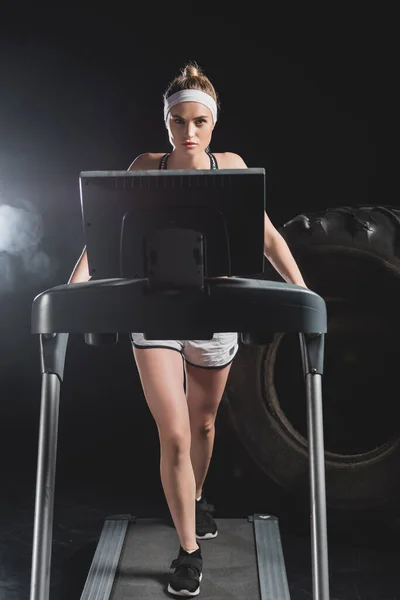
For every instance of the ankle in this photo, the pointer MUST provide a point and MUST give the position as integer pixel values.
(190, 550)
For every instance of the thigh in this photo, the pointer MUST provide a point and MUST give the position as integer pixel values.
(204, 391)
(162, 377)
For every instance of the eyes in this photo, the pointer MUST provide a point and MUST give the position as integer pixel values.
(198, 121)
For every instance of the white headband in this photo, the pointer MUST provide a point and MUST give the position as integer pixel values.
(190, 96)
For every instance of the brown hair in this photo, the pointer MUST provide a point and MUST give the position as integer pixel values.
(191, 78)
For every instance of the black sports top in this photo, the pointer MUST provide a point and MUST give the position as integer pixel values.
(213, 161)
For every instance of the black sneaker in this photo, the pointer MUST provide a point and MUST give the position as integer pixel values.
(188, 573)
(206, 527)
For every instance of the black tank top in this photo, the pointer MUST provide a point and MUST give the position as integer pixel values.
(164, 161)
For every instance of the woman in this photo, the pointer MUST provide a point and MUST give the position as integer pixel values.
(185, 421)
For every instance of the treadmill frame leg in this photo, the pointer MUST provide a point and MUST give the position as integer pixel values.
(53, 350)
(312, 347)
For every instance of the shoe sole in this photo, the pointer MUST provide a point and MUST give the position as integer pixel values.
(185, 592)
(207, 536)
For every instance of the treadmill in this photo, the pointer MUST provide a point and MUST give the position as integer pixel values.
(169, 234)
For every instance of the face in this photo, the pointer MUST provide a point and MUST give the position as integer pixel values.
(190, 122)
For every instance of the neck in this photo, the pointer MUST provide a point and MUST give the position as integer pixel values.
(178, 160)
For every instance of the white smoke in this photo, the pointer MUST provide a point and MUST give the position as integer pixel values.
(21, 260)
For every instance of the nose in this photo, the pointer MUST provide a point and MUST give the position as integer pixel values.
(190, 130)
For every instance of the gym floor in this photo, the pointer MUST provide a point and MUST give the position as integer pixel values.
(363, 549)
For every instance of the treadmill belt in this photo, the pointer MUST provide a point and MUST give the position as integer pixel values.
(230, 562)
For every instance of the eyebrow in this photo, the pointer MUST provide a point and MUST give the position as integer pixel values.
(200, 117)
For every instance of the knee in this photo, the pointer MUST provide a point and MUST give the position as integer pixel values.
(203, 428)
(175, 443)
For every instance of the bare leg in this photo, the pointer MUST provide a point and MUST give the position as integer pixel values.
(179, 487)
(205, 388)
(201, 452)
(161, 374)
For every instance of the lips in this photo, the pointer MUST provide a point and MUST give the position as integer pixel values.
(189, 144)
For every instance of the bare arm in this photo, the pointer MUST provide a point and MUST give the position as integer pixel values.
(278, 253)
(80, 274)
(276, 249)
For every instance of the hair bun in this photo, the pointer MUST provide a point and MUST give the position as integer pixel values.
(191, 70)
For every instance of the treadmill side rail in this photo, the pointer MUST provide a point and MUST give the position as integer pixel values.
(270, 560)
(100, 580)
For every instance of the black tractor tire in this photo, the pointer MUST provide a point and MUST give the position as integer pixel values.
(351, 257)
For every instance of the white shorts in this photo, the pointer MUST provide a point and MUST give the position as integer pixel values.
(208, 354)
